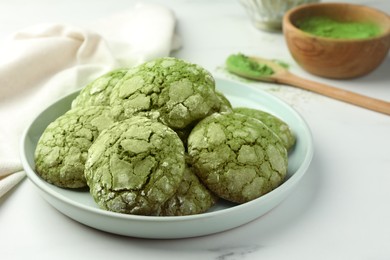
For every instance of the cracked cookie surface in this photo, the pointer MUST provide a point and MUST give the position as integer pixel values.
(225, 105)
(135, 166)
(192, 197)
(181, 92)
(97, 92)
(279, 127)
(237, 157)
(62, 149)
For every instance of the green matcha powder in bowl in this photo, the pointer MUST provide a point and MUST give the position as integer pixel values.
(327, 27)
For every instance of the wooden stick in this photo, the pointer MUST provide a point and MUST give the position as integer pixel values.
(336, 93)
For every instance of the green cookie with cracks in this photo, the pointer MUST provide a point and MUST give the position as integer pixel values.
(180, 92)
(237, 157)
(277, 125)
(62, 149)
(135, 166)
(192, 197)
(97, 93)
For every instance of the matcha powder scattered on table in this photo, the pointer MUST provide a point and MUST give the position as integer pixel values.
(242, 63)
(327, 27)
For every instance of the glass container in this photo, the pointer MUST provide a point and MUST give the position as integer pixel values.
(268, 14)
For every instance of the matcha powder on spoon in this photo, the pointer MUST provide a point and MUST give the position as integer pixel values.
(242, 63)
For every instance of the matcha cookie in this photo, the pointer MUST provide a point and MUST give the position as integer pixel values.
(97, 93)
(237, 157)
(135, 166)
(181, 92)
(192, 197)
(225, 105)
(280, 128)
(62, 149)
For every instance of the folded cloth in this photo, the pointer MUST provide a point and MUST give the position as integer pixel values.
(44, 62)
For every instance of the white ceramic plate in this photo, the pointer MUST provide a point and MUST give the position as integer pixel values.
(80, 206)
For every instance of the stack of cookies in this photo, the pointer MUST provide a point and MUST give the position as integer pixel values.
(159, 139)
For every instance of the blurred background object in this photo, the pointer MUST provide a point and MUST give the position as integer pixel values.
(268, 14)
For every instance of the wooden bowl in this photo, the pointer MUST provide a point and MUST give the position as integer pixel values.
(337, 58)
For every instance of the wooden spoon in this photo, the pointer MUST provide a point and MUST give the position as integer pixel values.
(282, 76)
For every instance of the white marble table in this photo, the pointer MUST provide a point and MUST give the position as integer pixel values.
(340, 210)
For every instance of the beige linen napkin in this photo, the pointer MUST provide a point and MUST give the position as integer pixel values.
(44, 62)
